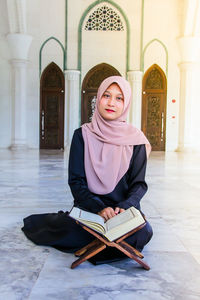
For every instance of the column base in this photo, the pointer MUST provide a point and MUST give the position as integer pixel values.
(188, 149)
(15, 147)
(67, 148)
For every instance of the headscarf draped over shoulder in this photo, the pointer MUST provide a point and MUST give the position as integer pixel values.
(108, 144)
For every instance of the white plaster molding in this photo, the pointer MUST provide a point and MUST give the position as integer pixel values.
(12, 16)
(186, 66)
(19, 45)
(72, 74)
(189, 47)
(196, 27)
(17, 16)
(19, 62)
(21, 14)
(189, 9)
(135, 79)
(135, 76)
(72, 105)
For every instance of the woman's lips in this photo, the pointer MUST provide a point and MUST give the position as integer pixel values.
(110, 110)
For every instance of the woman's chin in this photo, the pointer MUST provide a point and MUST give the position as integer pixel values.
(109, 118)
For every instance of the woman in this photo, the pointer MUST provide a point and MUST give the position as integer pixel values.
(107, 167)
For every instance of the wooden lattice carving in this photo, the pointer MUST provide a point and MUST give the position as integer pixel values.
(154, 80)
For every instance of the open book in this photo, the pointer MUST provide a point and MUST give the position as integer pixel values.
(114, 227)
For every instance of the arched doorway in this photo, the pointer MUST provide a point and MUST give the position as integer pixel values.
(154, 107)
(52, 108)
(90, 85)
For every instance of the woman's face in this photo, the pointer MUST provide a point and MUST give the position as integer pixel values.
(111, 103)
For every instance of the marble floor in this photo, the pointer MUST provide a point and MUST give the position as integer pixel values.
(36, 182)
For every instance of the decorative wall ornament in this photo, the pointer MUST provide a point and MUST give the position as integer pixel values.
(52, 78)
(104, 18)
(154, 80)
(153, 118)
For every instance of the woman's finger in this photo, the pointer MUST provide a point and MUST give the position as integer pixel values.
(117, 210)
(109, 214)
(112, 212)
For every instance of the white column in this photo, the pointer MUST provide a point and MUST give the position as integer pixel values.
(19, 104)
(135, 79)
(19, 46)
(189, 136)
(188, 107)
(72, 104)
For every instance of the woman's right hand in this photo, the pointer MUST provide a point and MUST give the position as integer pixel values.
(107, 213)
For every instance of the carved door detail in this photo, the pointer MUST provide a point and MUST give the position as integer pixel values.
(90, 85)
(52, 108)
(154, 107)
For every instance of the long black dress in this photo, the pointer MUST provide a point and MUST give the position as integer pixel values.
(60, 231)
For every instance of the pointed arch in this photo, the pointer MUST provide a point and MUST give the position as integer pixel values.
(41, 49)
(90, 7)
(164, 47)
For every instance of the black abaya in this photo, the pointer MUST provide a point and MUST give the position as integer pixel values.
(60, 231)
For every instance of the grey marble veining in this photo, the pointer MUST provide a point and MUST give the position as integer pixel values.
(120, 280)
(36, 182)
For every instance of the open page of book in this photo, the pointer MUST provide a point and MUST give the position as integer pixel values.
(122, 218)
(130, 219)
(89, 217)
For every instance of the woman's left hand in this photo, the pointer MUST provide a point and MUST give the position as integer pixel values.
(107, 213)
(118, 210)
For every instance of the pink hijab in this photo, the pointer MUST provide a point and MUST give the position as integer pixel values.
(108, 144)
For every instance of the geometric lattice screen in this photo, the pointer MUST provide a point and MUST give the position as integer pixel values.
(104, 19)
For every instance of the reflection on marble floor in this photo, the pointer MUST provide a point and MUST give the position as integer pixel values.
(36, 182)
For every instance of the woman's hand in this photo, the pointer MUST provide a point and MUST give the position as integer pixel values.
(107, 213)
(118, 210)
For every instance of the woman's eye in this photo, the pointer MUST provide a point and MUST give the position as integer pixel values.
(106, 95)
(120, 99)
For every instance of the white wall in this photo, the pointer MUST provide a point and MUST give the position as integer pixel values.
(45, 18)
(5, 80)
(162, 22)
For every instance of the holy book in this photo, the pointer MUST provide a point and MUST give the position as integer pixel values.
(115, 227)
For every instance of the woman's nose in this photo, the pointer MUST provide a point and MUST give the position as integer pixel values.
(111, 101)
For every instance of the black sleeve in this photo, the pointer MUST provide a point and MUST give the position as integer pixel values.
(136, 178)
(83, 198)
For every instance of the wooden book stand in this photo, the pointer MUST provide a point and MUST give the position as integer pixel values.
(101, 242)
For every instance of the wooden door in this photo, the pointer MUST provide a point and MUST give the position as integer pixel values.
(90, 86)
(154, 107)
(52, 108)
